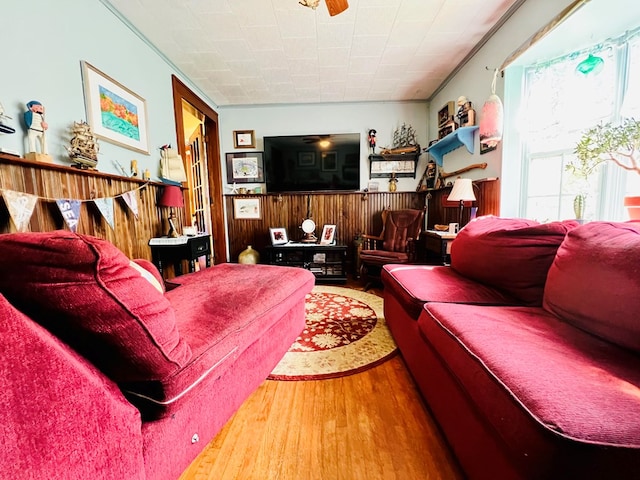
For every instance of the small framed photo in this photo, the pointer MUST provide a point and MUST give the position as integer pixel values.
(328, 235)
(278, 236)
(244, 139)
(329, 161)
(246, 208)
(306, 159)
(245, 167)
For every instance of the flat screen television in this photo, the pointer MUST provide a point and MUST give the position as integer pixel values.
(310, 163)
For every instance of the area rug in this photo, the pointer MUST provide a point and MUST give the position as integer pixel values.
(346, 333)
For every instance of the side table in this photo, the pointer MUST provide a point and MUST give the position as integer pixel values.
(175, 250)
(439, 243)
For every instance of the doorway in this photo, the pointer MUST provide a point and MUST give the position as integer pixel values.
(198, 143)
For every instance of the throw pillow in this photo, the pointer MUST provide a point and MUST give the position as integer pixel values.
(513, 255)
(594, 281)
(84, 291)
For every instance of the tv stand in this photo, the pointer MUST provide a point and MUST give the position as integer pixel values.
(326, 262)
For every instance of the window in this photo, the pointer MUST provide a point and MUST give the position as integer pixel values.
(558, 103)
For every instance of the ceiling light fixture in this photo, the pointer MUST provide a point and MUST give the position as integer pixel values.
(309, 3)
(334, 6)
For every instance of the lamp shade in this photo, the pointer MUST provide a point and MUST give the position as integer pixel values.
(462, 191)
(171, 197)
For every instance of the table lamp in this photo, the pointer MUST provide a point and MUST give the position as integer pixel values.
(462, 191)
(171, 197)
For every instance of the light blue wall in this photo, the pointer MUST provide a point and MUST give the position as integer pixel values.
(43, 44)
(474, 81)
(311, 119)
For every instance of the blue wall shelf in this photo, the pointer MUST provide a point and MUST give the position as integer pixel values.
(456, 139)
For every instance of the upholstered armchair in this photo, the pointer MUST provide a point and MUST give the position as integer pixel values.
(395, 244)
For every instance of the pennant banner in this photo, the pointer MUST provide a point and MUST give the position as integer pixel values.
(105, 205)
(70, 210)
(131, 200)
(20, 206)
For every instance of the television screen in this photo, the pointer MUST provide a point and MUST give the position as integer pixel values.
(302, 163)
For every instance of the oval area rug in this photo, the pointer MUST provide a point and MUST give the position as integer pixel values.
(345, 333)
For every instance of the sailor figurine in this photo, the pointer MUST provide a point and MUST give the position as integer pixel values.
(36, 126)
(372, 140)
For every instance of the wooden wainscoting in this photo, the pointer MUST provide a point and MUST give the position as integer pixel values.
(51, 182)
(353, 213)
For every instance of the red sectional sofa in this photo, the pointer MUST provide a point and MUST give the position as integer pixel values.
(527, 348)
(106, 376)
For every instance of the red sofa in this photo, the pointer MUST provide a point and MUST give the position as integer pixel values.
(105, 376)
(526, 349)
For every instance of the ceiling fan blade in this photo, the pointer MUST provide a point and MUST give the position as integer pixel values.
(336, 6)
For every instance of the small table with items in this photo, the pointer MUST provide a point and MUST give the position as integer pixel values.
(326, 262)
(439, 243)
(175, 250)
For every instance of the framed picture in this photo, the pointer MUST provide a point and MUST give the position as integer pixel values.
(245, 167)
(328, 235)
(246, 208)
(278, 236)
(244, 139)
(329, 161)
(115, 113)
(306, 159)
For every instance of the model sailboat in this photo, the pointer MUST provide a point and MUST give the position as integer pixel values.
(84, 146)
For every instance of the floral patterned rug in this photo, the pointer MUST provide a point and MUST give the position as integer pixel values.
(346, 333)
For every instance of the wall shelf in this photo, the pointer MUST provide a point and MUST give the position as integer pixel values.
(456, 139)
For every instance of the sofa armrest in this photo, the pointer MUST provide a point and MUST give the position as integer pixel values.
(60, 416)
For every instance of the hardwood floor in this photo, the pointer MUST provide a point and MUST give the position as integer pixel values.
(371, 425)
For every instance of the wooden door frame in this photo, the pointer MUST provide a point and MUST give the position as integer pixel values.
(214, 167)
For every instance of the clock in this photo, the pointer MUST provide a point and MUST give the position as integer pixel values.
(309, 227)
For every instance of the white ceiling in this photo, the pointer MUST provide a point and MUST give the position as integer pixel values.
(247, 52)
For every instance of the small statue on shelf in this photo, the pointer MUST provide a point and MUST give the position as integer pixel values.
(36, 126)
(372, 141)
(466, 114)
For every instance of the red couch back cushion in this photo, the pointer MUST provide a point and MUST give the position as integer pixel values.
(594, 282)
(84, 291)
(513, 255)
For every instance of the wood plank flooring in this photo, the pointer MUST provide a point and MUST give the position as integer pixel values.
(368, 426)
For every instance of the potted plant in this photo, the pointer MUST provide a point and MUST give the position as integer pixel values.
(617, 143)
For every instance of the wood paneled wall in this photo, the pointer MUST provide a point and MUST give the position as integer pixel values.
(50, 182)
(352, 213)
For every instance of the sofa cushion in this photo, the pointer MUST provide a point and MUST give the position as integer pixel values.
(221, 311)
(84, 290)
(414, 285)
(513, 255)
(594, 282)
(524, 368)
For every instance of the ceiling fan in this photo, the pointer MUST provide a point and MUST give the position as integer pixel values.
(334, 6)
(315, 138)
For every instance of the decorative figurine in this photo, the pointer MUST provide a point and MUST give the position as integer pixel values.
(4, 128)
(372, 141)
(36, 126)
(83, 148)
(466, 114)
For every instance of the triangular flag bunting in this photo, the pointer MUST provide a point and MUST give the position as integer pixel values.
(131, 200)
(20, 206)
(105, 205)
(70, 210)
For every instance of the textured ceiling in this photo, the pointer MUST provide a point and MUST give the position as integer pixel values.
(247, 52)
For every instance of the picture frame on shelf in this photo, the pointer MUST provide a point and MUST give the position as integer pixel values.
(278, 236)
(244, 139)
(246, 208)
(328, 235)
(245, 167)
(115, 113)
